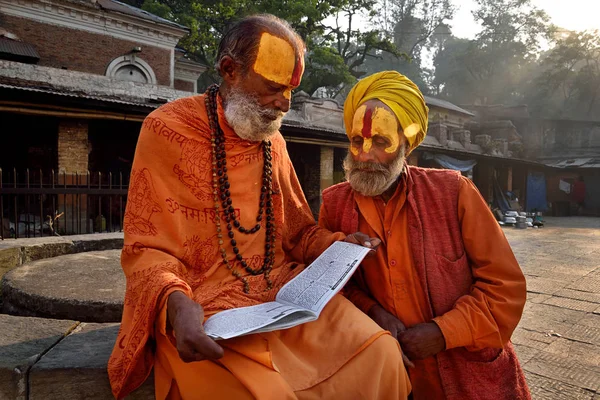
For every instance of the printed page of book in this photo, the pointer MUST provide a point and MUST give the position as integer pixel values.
(299, 301)
(320, 281)
(244, 320)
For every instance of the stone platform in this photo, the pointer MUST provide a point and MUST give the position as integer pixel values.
(87, 287)
(15, 252)
(557, 341)
(49, 359)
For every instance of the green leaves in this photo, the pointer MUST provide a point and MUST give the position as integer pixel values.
(569, 80)
(336, 53)
(495, 66)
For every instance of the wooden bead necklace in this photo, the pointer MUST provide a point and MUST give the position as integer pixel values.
(222, 199)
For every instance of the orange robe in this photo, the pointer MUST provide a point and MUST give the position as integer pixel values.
(171, 244)
(393, 282)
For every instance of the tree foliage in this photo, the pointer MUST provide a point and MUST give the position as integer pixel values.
(568, 84)
(335, 53)
(492, 68)
(414, 27)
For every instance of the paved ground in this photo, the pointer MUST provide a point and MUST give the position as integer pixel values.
(558, 339)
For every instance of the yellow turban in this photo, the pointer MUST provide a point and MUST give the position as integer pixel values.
(400, 94)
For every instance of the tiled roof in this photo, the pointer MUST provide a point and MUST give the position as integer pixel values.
(587, 162)
(432, 101)
(11, 49)
(79, 95)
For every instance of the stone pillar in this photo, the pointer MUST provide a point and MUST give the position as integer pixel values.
(509, 180)
(326, 167)
(501, 145)
(72, 169)
(462, 136)
(440, 132)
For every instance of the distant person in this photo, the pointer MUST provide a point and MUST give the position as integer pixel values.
(579, 194)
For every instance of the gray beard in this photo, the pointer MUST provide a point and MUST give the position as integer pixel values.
(248, 119)
(373, 179)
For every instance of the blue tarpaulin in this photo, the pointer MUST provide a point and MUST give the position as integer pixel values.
(536, 192)
(451, 162)
(500, 199)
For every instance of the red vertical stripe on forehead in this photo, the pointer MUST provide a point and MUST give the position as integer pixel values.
(298, 69)
(367, 123)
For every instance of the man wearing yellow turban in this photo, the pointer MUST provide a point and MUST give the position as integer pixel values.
(444, 281)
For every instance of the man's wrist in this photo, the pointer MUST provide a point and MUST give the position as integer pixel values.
(174, 304)
(441, 334)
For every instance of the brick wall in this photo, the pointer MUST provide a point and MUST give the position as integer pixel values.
(180, 84)
(78, 50)
(72, 158)
(73, 145)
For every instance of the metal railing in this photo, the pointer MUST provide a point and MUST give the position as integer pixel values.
(35, 204)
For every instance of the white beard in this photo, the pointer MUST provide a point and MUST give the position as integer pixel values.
(373, 179)
(248, 119)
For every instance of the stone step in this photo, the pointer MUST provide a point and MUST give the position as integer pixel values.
(87, 287)
(15, 252)
(57, 359)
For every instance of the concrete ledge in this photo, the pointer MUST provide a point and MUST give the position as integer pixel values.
(87, 287)
(47, 359)
(76, 367)
(23, 341)
(15, 252)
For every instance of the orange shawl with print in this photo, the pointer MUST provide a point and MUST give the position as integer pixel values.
(170, 233)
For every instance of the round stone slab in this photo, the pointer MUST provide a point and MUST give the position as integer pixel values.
(87, 287)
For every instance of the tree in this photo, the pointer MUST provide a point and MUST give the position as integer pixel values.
(506, 22)
(341, 52)
(414, 22)
(413, 26)
(568, 84)
(493, 67)
(336, 53)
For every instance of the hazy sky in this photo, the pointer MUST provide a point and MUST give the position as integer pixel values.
(568, 14)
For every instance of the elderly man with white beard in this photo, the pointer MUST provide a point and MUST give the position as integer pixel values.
(217, 220)
(444, 282)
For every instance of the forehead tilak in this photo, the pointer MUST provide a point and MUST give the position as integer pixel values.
(367, 122)
(277, 60)
(298, 69)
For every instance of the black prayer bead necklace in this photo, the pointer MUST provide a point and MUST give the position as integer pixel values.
(222, 199)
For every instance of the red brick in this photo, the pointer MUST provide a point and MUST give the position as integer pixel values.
(184, 85)
(83, 51)
(73, 146)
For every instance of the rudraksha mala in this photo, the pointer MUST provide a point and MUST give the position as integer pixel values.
(222, 199)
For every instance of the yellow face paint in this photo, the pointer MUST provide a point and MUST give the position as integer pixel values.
(371, 121)
(277, 61)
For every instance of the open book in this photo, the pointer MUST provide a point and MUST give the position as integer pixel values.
(300, 300)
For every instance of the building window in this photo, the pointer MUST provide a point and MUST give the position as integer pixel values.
(131, 68)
